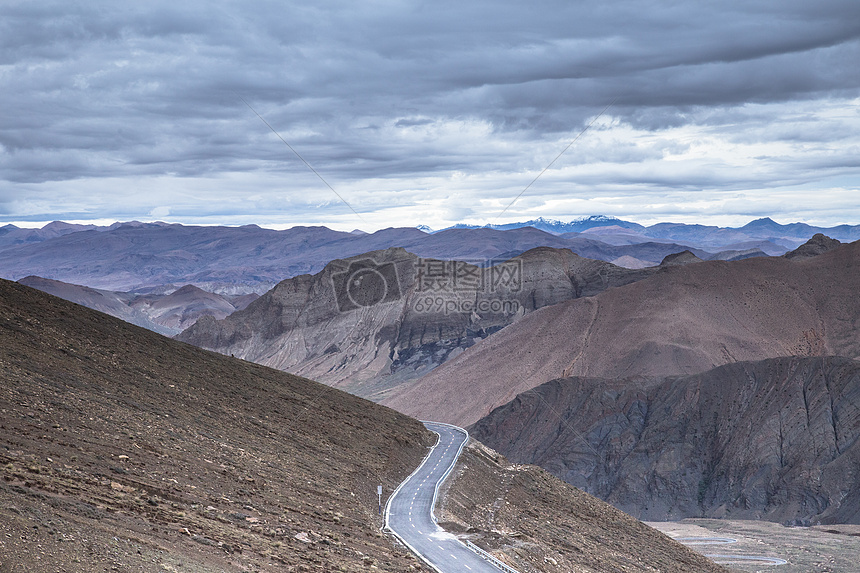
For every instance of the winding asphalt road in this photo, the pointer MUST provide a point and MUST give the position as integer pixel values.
(409, 511)
(409, 514)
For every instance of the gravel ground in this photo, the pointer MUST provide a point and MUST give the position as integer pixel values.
(823, 549)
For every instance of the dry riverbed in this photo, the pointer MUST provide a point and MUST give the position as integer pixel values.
(824, 549)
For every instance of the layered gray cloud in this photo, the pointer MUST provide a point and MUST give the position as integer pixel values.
(429, 112)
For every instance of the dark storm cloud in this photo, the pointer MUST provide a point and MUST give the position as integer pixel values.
(401, 91)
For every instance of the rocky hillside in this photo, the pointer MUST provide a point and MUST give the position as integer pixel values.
(122, 450)
(367, 337)
(682, 320)
(775, 439)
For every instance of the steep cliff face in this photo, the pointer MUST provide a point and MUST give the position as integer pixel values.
(775, 439)
(372, 322)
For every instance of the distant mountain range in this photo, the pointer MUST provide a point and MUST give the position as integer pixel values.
(700, 236)
(554, 226)
(238, 260)
(138, 256)
(10, 235)
(168, 310)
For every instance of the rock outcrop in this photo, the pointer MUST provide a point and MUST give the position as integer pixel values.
(775, 439)
(372, 322)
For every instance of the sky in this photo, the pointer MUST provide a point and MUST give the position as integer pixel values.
(429, 113)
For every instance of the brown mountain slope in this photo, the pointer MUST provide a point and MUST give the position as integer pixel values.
(775, 439)
(431, 312)
(815, 246)
(682, 320)
(119, 447)
(121, 450)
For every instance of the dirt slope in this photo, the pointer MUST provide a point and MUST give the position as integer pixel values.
(535, 522)
(122, 449)
(682, 320)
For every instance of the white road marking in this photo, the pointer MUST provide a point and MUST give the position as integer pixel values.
(435, 468)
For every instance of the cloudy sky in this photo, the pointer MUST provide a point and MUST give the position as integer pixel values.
(429, 112)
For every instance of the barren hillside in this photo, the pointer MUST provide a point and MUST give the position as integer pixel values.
(682, 320)
(421, 313)
(122, 450)
(513, 510)
(777, 439)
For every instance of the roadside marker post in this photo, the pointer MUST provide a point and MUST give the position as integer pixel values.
(379, 493)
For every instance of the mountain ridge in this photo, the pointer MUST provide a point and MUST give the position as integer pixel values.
(132, 256)
(762, 228)
(681, 320)
(299, 327)
(239, 260)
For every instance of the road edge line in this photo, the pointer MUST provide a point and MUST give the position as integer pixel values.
(387, 529)
(468, 544)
